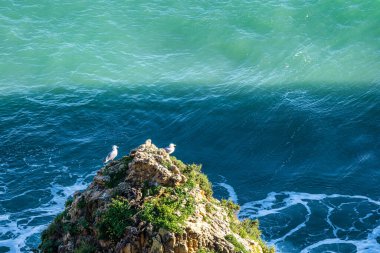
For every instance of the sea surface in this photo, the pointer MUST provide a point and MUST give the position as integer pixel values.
(279, 100)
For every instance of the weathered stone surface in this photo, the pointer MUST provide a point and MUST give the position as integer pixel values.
(147, 165)
(127, 177)
(157, 246)
(101, 180)
(127, 249)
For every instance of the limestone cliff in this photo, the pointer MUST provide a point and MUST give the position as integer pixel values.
(151, 202)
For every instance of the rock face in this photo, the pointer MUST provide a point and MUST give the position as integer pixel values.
(150, 202)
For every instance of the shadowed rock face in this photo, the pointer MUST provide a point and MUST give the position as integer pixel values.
(150, 202)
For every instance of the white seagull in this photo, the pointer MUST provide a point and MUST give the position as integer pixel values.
(111, 155)
(170, 149)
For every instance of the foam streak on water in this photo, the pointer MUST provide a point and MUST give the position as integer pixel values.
(287, 141)
(279, 97)
(231, 192)
(19, 234)
(360, 228)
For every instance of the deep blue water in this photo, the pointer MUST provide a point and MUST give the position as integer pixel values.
(279, 100)
(284, 152)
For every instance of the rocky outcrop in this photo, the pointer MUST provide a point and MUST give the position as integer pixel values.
(150, 202)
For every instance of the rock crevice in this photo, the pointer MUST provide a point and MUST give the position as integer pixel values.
(150, 202)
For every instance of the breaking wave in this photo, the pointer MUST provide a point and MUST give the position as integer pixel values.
(18, 229)
(303, 222)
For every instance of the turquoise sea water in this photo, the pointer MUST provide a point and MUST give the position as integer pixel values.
(279, 100)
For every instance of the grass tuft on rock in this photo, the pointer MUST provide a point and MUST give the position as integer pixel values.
(248, 228)
(81, 203)
(85, 248)
(164, 206)
(49, 244)
(115, 219)
(202, 250)
(150, 189)
(117, 174)
(231, 207)
(68, 202)
(194, 176)
(170, 209)
(180, 165)
(238, 246)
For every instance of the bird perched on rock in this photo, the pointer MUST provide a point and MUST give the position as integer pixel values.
(170, 149)
(111, 155)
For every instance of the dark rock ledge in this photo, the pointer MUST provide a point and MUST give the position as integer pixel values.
(150, 202)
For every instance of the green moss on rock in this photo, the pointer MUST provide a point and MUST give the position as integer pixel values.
(85, 248)
(115, 219)
(149, 204)
(117, 174)
(49, 242)
(238, 246)
(194, 176)
(169, 209)
(205, 251)
(248, 228)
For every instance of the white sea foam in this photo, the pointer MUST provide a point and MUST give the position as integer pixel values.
(3, 189)
(4, 217)
(334, 204)
(20, 233)
(276, 203)
(231, 191)
(367, 246)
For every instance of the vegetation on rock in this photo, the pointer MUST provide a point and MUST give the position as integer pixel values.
(115, 219)
(49, 243)
(85, 248)
(117, 174)
(237, 245)
(205, 251)
(230, 206)
(169, 209)
(194, 176)
(150, 202)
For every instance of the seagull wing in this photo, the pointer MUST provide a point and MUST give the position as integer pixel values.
(113, 154)
(169, 150)
(109, 157)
